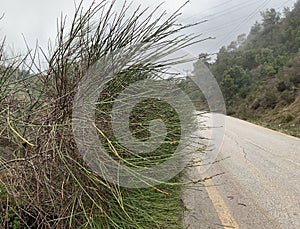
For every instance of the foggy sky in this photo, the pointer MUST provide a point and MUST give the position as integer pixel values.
(36, 20)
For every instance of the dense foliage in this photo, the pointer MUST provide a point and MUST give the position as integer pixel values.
(259, 73)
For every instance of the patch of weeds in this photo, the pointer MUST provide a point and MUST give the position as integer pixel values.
(288, 96)
(8, 217)
(288, 118)
(158, 207)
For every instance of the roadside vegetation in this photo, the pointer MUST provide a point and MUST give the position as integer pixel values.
(259, 73)
(44, 181)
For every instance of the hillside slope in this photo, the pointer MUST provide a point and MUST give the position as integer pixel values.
(259, 74)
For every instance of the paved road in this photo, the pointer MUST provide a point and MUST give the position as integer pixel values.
(260, 187)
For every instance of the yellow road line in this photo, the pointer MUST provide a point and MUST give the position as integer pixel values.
(220, 206)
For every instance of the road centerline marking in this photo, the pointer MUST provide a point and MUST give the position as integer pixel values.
(219, 204)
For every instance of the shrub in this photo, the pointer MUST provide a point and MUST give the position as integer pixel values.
(49, 182)
(288, 96)
(289, 118)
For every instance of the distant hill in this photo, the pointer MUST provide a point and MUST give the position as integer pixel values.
(259, 74)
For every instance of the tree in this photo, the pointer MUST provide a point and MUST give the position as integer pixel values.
(205, 58)
(228, 88)
(286, 12)
(270, 17)
(232, 47)
(255, 29)
(241, 39)
(265, 56)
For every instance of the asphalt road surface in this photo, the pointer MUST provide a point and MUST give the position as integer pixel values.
(260, 187)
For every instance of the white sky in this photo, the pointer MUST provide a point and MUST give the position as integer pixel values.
(37, 19)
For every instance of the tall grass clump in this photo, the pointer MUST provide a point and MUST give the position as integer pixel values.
(44, 180)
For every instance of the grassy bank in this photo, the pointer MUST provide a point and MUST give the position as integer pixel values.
(285, 120)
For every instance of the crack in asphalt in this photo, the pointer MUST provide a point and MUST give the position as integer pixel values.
(245, 154)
